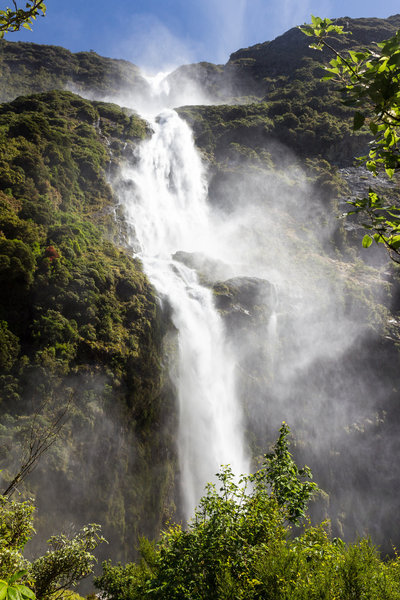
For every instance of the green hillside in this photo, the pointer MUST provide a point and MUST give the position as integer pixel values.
(27, 68)
(80, 324)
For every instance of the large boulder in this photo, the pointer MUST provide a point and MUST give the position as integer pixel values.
(245, 302)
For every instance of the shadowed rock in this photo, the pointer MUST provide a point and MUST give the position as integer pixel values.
(245, 301)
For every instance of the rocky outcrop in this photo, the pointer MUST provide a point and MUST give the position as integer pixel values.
(244, 302)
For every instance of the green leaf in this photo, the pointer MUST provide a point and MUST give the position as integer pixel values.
(383, 66)
(315, 46)
(306, 29)
(17, 576)
(3, 589)
(359, 120)
(13, 593)
(334, 70)
(367, 241)
(373, 127)
(395, 242)
(394, 59)
(26, 592)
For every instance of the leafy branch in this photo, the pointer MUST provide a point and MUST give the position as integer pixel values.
(11, 590)
(370, 82)
(66, 562)
(12, 19)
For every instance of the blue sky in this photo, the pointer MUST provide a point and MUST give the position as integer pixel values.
(161, 34)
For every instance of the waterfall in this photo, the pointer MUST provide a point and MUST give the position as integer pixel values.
(168, 212)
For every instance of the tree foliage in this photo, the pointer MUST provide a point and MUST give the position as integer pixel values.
(290, 485)
(242, 544)
(12, 19)
(16, 529)
(370, 81)
(68, 560)
(220, 544)
(41, 432)
(11, 590)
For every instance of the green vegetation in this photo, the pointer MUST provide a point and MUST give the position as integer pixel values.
(371, 82)
(10, 589)
(289, 117)
(28, 68)
(79, 321)
(71, 290)
(66, 562)
(243, 543)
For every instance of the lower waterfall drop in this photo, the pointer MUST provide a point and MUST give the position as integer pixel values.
(168, 212)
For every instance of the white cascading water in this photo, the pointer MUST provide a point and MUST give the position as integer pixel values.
(168, 212)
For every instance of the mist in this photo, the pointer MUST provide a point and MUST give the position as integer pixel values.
(311, 359)
(302, 323)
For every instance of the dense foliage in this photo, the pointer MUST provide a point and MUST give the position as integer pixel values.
(28, 68)
(242, 544)
(68, 560)
(79, 320)
(68, 288)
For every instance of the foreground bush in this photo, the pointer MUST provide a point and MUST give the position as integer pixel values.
(245, 542)
(67, 561)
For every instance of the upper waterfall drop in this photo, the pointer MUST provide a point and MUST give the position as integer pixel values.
(168, 212)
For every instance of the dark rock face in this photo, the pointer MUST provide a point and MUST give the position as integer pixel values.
(244, 301)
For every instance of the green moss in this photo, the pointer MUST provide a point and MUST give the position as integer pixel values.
(79, 321)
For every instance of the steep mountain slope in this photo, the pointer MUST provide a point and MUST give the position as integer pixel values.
(27, 68)
(80, 325)
(267, 67)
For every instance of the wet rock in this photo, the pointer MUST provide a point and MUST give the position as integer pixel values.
(245, 301)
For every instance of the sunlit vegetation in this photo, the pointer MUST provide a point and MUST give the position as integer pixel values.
(66, 289)
(68, 558)
(31, 68)
(246, 541)
(79, 321)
